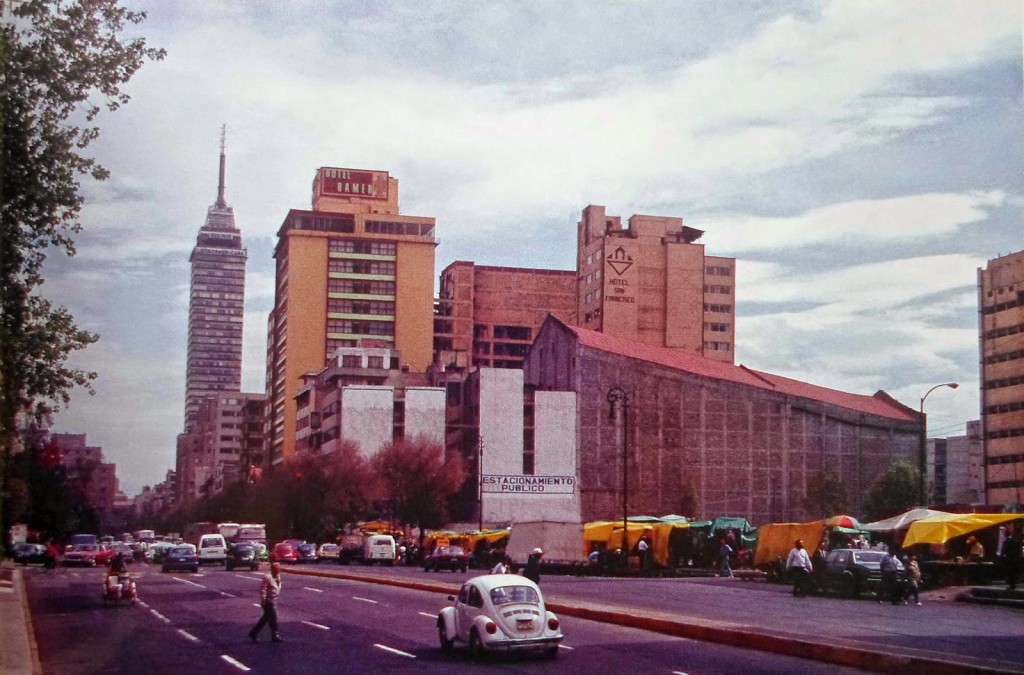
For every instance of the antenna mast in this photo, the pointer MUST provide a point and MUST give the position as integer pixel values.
(220, 185)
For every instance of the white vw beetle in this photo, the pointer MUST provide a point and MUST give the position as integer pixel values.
(499, 612)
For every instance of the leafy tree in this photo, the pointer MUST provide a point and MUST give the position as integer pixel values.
(418, 480)
(896, 490)
(58, 57)
(826, 495)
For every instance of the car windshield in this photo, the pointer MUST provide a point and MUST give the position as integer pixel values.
(503, 595)
(243, 548)
(181, 550)
(450, 550)
(868, 556)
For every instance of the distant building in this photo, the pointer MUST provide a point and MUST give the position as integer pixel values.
(1001, 351)
(956, 468)
(216, 301)
(352, 268)
(708, 439)
(651, 282)
(86, 470)
(493, 313)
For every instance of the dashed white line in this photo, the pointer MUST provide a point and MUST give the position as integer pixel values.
(236, 663)
(394, 651)
(356, 597)
(159, 616)
(678, 672)
(228, 595)
(188, 635)
(316, 625)
(572, 648)
(315, 590)
(256, 604)
(429, 616)
(186, 581)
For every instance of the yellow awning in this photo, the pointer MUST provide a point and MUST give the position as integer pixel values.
(940, 529)
(775, 540)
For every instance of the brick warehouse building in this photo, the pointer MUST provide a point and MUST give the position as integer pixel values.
(707, 438)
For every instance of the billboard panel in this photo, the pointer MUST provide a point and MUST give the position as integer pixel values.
(334, 182)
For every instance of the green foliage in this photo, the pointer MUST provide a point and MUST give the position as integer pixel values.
(417, 481)
(896, 490)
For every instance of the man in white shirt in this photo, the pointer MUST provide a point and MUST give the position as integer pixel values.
(799, 567)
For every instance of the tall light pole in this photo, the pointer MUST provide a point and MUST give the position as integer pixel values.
(618, 397)
(923, 443)
(480, 479)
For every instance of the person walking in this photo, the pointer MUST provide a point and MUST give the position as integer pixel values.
(270, 589)
(504, 566)
(1012, 555)
(890, 567)
(913, 581)
(799, 567)
(532, 569)
(724, 551)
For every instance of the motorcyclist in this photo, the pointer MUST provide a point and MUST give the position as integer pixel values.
(51, 555)
(118, 565)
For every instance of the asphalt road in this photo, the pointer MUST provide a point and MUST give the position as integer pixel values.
(198, 623)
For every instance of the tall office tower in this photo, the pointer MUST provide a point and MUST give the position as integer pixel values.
(652, 283)
(352, 269)
(216, 299)
(1001, 351)
(493, 313)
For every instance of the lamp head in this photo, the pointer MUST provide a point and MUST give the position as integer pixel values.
(953, 385)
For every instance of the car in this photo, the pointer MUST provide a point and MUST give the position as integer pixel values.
(29, 554)
(328, 552)
(181, 557)
(306, 553)
(852, 571)
(87, 555)
(261, 550)
(212, 549)
(242, 555)
(499, 612)
(155, 552)
(284, 553)
(125, 550)
(452, 558)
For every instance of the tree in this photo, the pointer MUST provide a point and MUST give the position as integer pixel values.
(56, 56)
(894, 491)
(418, 480)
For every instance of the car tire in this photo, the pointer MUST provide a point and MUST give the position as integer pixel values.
(442, 637)
(476, 647)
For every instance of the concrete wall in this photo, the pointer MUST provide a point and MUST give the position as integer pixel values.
(424, 413)
(368, 417)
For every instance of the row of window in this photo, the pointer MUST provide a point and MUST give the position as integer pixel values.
(717, 346)
(1004, 459)
(361, 287)
(365, 246)
(388, 227)
(345, 224)
(356, 361)
(351, 327)
(1004, 382)
(593, 276)
(382, 267)
(347, 306)
(1003, 332)
(1001, 290)
(724, 309)
(1005, 484)
(1002, 358)
(592, 297)
(714, 288)
(592, 316)
(1002, 306)
(716, 327)
(717, 271)
(1004, 408)
(1005, 433)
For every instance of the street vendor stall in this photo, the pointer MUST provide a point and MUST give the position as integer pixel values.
(940, 529)
(775, 540)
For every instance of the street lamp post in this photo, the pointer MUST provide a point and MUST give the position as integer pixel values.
(923, 443)
(480, 479)
(616, 397)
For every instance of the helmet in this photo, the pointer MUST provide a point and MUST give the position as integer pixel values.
(537, 551)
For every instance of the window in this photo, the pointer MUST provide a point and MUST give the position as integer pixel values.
(364, 246)
(347, 266)
(716, 270)
(375, 362)
(716, 327)
(350, 361)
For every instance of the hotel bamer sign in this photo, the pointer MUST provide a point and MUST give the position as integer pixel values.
(528, 485)
(618, 287)
(353, 183)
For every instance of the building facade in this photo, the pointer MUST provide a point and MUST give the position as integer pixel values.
(216, 301)
(1001, 352)
(707, 439)
(651, 282)
(86, 470)
(956, 468)
(493, 313)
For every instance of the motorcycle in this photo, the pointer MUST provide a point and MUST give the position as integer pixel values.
(119, 587)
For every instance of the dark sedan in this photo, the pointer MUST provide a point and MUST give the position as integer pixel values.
(181, 558)
(29, 554)
(851, 571)
(306, 553)
(452, 558)
(242, 555)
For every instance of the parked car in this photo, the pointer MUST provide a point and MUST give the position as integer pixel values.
(284, 553)
(499, 612)
(181, 557)
(212, 549)
(851, 571)
(452, 558)
(261, 550)
(29, 554)
(88, 555)
(306, 553)
(242, 555)
(156, 552)
(328, 552)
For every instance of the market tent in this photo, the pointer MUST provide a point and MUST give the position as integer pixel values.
(731, 523)
(661, 535)
(901, 521)
(636, 530)
(940, 529)
(775, 540)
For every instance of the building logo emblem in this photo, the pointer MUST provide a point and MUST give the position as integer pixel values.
(620, 261)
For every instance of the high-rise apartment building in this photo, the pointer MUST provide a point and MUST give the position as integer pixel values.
(651, 282)
(494, 313)
(1001, 351)
(956, 468)
(216, 299)
(350, 269)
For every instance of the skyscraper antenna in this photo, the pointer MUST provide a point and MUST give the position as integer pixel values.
(220, 185)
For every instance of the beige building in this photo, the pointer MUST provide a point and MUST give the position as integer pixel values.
(651, 282)
(956, 468)
(1001, 347)
(493, 313)
(352, 268)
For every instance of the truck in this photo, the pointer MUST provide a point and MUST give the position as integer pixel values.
(562, 544)
(367, 549)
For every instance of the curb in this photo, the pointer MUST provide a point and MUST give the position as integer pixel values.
(906, 662)
(33, 646)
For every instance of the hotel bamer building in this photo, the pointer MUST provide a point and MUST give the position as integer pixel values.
(1001, 336)
(651, 282)
(352, 268)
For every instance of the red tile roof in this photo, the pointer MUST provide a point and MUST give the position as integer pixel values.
(699, 365)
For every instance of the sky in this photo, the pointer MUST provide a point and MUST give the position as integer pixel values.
(860, 160)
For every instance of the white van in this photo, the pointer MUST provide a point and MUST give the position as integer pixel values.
(379, 548)
(212, 549)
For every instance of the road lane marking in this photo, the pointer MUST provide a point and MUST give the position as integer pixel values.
(394, 651)
(316, 625)
(236, 663)
(186, 581)
(356, 597)
(315, 590)
(572, 648)
(678, 672)
(159, 616)
(228, 595)
(256, 604)
(429, 616)
(188, 635)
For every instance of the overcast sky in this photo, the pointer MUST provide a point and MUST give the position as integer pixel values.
(861, 160)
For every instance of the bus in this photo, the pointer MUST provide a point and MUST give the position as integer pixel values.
(252, 532)
(144, 535)
(193, 531)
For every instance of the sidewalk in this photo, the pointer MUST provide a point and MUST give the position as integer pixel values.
(18, 655)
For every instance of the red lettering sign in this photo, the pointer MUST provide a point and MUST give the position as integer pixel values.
(335, 182)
